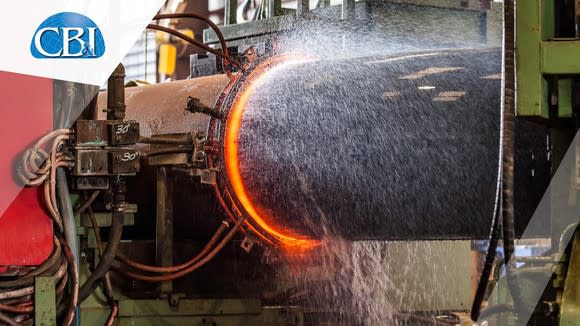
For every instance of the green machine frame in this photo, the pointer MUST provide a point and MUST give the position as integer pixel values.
(544, 64)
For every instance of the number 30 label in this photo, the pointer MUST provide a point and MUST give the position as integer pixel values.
(128, 156)
(122, 129)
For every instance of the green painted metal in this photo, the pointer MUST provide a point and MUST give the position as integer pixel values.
(540, 57)
(533, 24)
(44, 301)
(104, 219)
(565, 98)
(189, 307)
(570, 305)
(192, 312)
(560, 57)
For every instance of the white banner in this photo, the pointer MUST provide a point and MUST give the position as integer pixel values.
(80, 41)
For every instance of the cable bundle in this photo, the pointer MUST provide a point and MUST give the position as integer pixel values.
(39, 167)
(211, 249)
(16, 293)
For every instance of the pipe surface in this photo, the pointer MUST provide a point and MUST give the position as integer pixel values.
(159, 108)
(373, 148)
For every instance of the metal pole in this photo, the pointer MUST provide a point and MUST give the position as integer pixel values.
(274, 8)
(347, 9)
(230, 11)
(302, 6)
(164, 230)
(116, 94)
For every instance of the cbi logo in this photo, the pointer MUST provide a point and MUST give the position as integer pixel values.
(67, 35)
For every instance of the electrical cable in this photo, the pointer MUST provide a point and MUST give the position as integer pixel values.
(38, 167)
(17, 293)
(171, 269)
(188, 39)
(74, 295)
(17, 309)
(25, 291)
(87, 203)
(200, 263)
(7, 320)
(211, 24)
(28, 279)
(112, 315)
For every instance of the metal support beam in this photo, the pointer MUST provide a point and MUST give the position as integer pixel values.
(164, 231)
(274, 8)
(44, 301)
(347, 9)
(302, 6)
(560, 57)
(534, 23)
(230, 12)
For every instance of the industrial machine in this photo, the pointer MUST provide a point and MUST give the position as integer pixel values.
(333, 166)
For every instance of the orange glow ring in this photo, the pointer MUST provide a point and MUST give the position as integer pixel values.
(232, 130)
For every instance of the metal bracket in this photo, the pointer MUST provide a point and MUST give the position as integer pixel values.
(44, 301)
(194, 105)
(248, 243)
(174, 299)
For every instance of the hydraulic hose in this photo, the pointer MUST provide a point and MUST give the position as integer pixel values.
(201, 262)
(504, 200)
(177, 268)
(106, 259)
(489, 258)
(508, 103)
(28, 279)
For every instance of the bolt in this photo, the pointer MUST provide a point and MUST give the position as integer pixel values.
(199, 155)
(135, 128)
(117, 139)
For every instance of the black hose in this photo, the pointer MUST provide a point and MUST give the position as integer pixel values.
(7, 320)
(87, 203)
(107, 258)
(188, 39)
(489, 259)
(28, 279)
(508, 159)
(506, 174)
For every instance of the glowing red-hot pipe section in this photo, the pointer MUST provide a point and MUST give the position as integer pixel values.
(232, 161)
